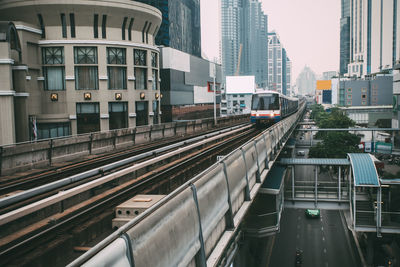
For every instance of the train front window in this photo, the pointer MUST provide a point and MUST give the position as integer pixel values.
(265, 102)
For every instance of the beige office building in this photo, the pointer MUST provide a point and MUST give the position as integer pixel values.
(76, 66)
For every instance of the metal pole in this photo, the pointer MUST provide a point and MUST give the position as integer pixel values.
(349, 181)
(316, 185)
(354, 204)
(293, 194)
(373, 143)
(379, 211)
(215, 104)
(339, 178)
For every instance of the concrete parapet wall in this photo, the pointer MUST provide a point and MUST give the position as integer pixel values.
(193, 224)
(43, 153)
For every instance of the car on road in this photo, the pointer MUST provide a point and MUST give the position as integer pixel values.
(298, 260)
(301, 153)
(312, 213)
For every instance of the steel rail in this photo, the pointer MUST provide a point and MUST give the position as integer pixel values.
(6, 201)
(23, 211)
(116, 234)
(118, 194)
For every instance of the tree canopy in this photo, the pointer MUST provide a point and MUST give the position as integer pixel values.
(334, 144)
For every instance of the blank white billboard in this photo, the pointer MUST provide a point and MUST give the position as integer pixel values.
(240, 84)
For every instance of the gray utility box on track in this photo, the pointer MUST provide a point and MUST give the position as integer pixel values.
(133, 207)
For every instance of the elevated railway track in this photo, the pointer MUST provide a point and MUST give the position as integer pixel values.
(83, 209)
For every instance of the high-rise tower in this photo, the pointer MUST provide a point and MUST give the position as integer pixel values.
(344, 36)
(180, 27)
(244, 39)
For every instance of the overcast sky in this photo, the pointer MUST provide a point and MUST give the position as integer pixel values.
(308, 29)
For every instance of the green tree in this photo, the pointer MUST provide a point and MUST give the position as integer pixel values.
(334, 144)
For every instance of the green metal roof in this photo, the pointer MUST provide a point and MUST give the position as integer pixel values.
(291, 142)
(314, 161)
(364, 171)
(274, 177)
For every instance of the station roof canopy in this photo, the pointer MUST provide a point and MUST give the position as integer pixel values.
(364, 171)
(315, 161)
(274, 180)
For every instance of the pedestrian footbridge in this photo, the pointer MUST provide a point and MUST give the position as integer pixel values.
(354, 185)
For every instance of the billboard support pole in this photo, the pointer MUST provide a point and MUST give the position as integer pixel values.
(214, 97)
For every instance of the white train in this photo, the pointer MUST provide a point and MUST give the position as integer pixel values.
(268, 107)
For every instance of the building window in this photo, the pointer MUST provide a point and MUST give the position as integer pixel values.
(155, 79)
(51, 130)
(130, 29)
(72, 22)
(140, 78)
(96, 26)
(349, 102)
(118, 112)
(53, 68)
(86, 73)
(116, 74)
(364, 90)
(41, 23)
(116, 55)
(234, 95)
(241, 95)
(85, 55)
(363, 102)
(349, 90)
(64, 26)
(147, 33)
(363, 96)
(143, 31)
(140, 59)
(87, 117)
(124, 27)
(141, 113)
(103, 27)
(348, 96)
(154, 60)
(156, 110)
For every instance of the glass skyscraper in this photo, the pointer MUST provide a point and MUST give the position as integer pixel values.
(180, 27)
(245, 39)
(279, 65)
(345, 36)
(232, 36)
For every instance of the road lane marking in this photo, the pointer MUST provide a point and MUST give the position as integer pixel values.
(298, 236)
(322, 228)
(325, 250)
(323, 239)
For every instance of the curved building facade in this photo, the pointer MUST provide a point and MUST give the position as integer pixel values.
(77, 66)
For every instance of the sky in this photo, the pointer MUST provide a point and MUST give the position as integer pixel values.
(308, 29)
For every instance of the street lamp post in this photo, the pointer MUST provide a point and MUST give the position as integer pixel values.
(214, 97)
